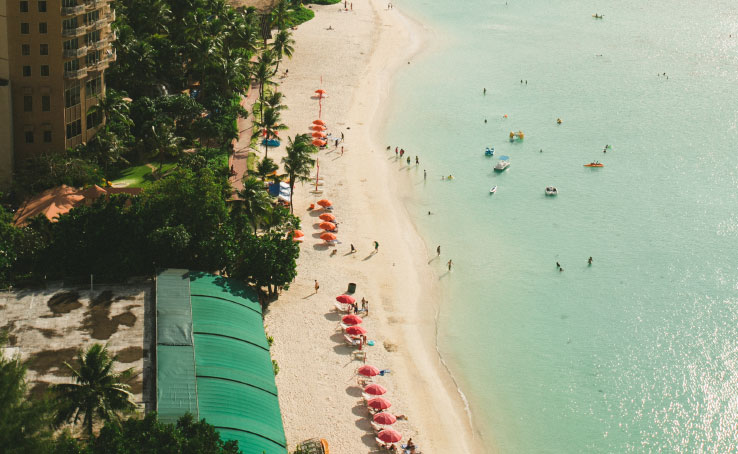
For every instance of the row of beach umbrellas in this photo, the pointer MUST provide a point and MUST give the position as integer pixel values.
(376, 390)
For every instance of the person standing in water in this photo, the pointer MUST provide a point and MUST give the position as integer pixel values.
(425, 174)
(450, 263)
(438, 250)
(484, 91)
(589, 261)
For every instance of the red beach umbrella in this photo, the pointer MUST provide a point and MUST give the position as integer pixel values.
(380, 403)
(367, 370)
(352, 319)
(384, 418)
(297, 234)
(389, 435)
(327, 236)
(345, 299)
(376, 390)
(327, 226)
(318, 128)
(318, 134)
(319, 143)
(325, 202)
(319, 122)
(320, 91)
(327, 217)
(356, 330)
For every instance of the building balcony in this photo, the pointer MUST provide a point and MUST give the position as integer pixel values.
(101, 44)
(73, 10)
(102, 63)
(75, 53)
(71, 32)
(77, 74)
(94, 4)
(100, 23)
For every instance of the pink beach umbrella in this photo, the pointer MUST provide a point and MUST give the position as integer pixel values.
(351, 319)
(380, 403)
(389, 436)
(385, 419)
(345, 299)
(368, 371)
(356, 330)
(375, 390)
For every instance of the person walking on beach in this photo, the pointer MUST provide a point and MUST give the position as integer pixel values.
(341, 150)
(376, 247)
(402, 152)
(395, 151)
(341, 136)
(317, 286)
(353, 249)
(450, 262)
(408, 160)
(438, 250)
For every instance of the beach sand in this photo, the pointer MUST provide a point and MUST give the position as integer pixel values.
(352, 55)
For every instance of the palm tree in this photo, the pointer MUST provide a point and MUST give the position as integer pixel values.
(279, 15)
(274, 99)
(266, 167)
(268, 126)
(282, 46)
(98, 392)
(256, 201)
(162, 142)
(263, 73)
(114, 108)
(298, 163)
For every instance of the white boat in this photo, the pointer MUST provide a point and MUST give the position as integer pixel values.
(550, 190)
(502, 165)
(493, 190)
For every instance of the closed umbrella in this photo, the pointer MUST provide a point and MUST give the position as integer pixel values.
(384, 418)
(328, 217)
(325, 202)
(356, 330)
(327, 226)
(367, 370)
(351, 319)
(327, 236)
(375, 390)
(389, 436)
(380, 403)
(345, 299)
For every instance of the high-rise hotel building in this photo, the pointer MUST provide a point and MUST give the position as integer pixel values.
(53, 55)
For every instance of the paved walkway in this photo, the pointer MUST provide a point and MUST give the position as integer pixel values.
(238, 161)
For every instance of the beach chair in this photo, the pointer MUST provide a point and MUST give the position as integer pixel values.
(351, 341)
(376, 427)
(359, 355)
(364, 381)
(342, 307)
(381, 444)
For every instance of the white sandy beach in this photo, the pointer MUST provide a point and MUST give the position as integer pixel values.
(317, 386)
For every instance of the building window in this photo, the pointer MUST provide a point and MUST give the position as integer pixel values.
(44, 49)
(29, 136)
(69, 3)
(74, 128)
(94, 119)
(45, 70)
(26, 71)
(72, 44)
(45, 103)
(25, 28)
(92, 37)
(71, 96)
(42, 28)
(93, 87)
(47, 134)
(69, 24)
(42, 6)
(92, 16)
(24, 6)
(28, 103)
(92, 57)
(25, 49)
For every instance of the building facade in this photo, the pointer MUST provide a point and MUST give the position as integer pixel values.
(6, 114)
(58, 51)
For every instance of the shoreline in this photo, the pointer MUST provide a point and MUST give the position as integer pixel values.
(398, 286)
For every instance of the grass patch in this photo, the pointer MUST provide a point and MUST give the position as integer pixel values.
(299, 16)
(251, 161)
(138, 176)
(324, 2)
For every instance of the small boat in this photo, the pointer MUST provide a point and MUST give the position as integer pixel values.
(493, 190)
(598, 16)
(489, 151)
(520, 135)
(594, 164)
(502, 165)
(551, 190)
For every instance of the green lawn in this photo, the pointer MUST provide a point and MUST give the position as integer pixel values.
(138, 176)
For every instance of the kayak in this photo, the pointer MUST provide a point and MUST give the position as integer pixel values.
(594, 164)
(493, 190)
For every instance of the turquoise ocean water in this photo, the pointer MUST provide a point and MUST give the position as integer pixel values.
(639, 352)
